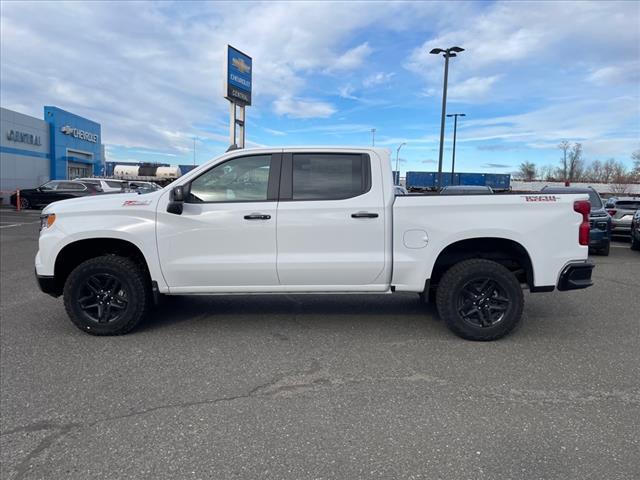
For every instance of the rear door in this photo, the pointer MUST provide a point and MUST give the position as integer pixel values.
(331, 225)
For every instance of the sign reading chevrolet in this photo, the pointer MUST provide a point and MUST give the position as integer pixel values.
(237, 77)
(81, 134)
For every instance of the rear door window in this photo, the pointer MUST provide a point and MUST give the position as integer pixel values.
(328, 176)
(72, 186)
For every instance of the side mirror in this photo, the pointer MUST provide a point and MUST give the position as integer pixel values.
(176, 200)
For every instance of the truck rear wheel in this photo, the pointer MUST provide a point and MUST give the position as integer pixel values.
(107, 295)
(480, 300)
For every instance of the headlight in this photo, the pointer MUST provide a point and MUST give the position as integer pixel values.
(47, 220)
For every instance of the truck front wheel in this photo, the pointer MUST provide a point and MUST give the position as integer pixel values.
(480, 300)
(106, 295)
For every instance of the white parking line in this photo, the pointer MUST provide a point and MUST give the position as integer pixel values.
(11, 225)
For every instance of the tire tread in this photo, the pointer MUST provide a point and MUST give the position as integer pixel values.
(129, 269)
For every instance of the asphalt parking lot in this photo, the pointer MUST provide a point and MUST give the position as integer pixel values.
(319, 386)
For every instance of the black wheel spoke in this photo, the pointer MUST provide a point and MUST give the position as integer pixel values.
(102, 298)
(482, 302)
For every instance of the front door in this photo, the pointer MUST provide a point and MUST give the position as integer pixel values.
(226, 234)
(331, 221)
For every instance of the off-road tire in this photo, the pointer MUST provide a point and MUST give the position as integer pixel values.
(450, 291)
(635, 244)
(133, 282)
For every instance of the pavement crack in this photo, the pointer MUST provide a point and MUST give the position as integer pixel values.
(38, 426)
(27, 462)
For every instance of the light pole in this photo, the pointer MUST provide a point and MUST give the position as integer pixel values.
(448, 53)
(194, 151)
(455, 128)
(398, 160)
(373, 137)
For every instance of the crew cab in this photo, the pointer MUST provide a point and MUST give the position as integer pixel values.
(310, 220)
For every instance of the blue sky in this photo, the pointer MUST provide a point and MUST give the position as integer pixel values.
(326, 73)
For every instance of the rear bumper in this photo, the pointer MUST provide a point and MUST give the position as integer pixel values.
(576, 276)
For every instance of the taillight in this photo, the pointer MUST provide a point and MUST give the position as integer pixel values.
(583, 207)
(612, 211)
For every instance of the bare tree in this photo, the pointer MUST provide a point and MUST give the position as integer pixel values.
(635, 156)
(528, 171)
(564, 146)
(607, 170)
(547, 173)
(593, 171)
(575, 162)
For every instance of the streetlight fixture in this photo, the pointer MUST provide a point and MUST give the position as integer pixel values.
(398, 159)
(447, 54)
(455, 128)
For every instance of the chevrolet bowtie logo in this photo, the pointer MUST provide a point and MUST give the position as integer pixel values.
(240, 64)
(67, 130)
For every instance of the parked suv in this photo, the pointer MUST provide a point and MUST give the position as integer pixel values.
(599, 219)
(621, 212)
(107, 185)
(53, 191)
(635, 231)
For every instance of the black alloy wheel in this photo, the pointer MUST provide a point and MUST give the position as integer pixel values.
(102, 298)
(480, 299)
(482, 302)
(107, 295)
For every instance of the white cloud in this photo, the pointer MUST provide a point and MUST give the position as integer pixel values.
(379, 78)
(351, 59)
(474, 89)
(301, 108)
(628, 72)
(277, 133)
(346, 91)
(523, 40)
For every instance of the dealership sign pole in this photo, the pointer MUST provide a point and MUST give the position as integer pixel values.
(237, 89)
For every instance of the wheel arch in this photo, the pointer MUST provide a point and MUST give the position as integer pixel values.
(78, 251)
(509, 253)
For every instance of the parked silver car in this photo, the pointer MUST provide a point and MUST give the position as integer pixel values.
(622, 214)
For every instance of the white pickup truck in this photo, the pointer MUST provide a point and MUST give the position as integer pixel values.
(310, 220)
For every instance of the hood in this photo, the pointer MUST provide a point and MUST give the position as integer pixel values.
(26, 191)
(104, 203)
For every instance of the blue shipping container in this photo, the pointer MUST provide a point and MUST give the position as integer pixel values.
(429, 180)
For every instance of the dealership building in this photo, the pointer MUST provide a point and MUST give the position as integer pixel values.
(60, 146)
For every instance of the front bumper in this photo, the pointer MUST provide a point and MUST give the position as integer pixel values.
(576, 276)
(48, 285)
